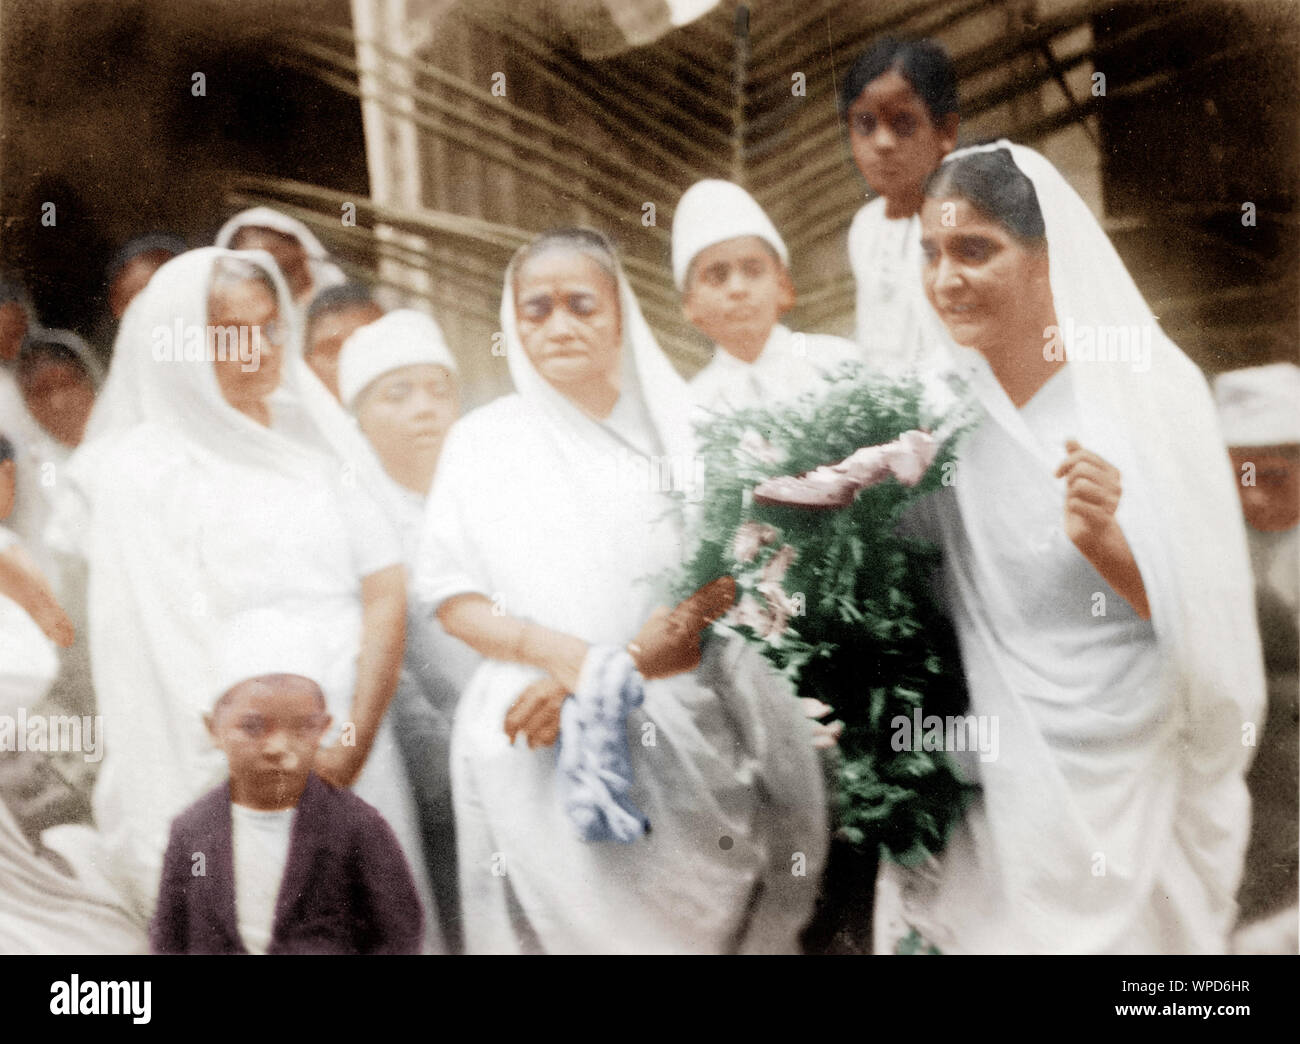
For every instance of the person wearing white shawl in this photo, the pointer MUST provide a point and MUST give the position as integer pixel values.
(732, 267)
(546, 540)
(1110, 634)
(208, 486)
(301, 257)
(398, 377)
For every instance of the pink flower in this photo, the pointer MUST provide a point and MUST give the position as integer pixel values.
(910, 455)
(779, 564)
(749, 538)
(866, 466)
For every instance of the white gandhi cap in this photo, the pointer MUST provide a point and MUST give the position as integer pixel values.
(1260, 405)
(403, 337)
(711, 212)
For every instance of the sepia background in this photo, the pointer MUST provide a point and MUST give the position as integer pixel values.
(457, 129)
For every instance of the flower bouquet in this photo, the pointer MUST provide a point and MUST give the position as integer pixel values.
(834, 595)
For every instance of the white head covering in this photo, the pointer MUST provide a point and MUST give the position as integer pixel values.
(267, 641)
(646, 370)
(403, 337)
(323, 271)
(75, 344)
(1182, 519)
(1260, 405)
(713, 211)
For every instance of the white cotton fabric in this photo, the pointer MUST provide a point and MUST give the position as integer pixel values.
(711, 212)
(1260, 405)
(403, 337)
(790, 365)
(260, 840)
(324, 272)
(543, 510)
(189, 515)
(896, 327)
(1115, 818)
(28, 661)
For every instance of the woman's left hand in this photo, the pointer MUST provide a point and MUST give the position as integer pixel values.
(536, 713)
(1092, 491)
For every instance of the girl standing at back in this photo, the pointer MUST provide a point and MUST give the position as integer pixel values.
(900, 102)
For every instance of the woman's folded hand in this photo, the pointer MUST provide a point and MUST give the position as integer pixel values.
(536, 713)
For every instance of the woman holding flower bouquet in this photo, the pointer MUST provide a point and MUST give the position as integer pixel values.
(1095, 569)
(683, 810)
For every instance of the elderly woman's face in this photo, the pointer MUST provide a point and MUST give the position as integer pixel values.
(246, 313)
(984, 284)
(567, 314)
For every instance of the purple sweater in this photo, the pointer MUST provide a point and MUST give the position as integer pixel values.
(346, 886)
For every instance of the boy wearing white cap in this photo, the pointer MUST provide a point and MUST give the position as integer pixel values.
(731, 265)
(1259, 410)
(397, 376)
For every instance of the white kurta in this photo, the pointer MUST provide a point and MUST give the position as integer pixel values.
(28, 661)
(896, 328)
(531, 509)
(789, 365)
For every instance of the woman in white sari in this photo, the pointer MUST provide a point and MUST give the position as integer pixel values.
(545, 535)
(1095, 566)
(209, 486)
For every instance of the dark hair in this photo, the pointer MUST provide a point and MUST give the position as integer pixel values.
(595, 245)
(991, 182)
(6, 449)
(13, 291)
(924, 64)
(342, 298)
(51, 346)
(153, 243)
(224, 698)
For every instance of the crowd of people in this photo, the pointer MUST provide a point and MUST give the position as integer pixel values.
(376, 677)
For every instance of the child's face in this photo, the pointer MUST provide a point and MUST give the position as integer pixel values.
(736, 291)
(895, 142)
(8, 482)
(326, 336)
(269, 729)
(60, 396)
(407, 412)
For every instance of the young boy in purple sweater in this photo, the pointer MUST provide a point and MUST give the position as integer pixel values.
(275, 860)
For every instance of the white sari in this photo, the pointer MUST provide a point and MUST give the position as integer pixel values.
(191, 515)
(1116, 815)
(540, 509)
